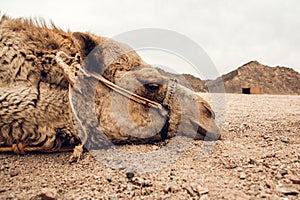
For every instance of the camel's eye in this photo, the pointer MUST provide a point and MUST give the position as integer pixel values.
(152, 86)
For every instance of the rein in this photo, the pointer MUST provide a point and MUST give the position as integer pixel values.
(139, 99)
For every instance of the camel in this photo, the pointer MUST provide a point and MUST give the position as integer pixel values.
(71, 90)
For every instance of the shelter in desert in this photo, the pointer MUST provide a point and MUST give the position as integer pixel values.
(252, 90)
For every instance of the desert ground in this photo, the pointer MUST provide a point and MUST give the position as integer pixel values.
(258, 157)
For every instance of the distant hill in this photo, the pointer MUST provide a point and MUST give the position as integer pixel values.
(272, 80)
(187, 80)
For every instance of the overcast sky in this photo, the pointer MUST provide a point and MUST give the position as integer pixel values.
(232, 32)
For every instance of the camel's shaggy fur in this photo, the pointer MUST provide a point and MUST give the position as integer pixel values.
(35, 87)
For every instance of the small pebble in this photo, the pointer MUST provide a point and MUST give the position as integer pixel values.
(284, 172)
(14, 173)
(108, 178)
(204, 197)
(232, 166)
(295, 180)
(167, 189)
(263, 195)
(270, 184)
(48, 194)
(201, 190)
(278, 176)
(172, 174)
(251, 161)
(3, 190)
(239, 169)
(190, 191)
(141, 182)
(285, 140)
(287, 190)
(243, 175)
(129, 175)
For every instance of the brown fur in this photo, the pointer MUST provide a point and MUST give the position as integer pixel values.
(34, 92)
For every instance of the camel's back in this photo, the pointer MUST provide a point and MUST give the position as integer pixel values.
(34, 100)
(27, 52)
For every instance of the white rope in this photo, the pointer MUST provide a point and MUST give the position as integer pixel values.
(122, 91)
(127, 93)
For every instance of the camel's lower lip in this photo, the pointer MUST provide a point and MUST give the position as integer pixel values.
(212, 133)
(165, 129)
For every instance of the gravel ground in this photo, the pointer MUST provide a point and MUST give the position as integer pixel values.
(258, 157)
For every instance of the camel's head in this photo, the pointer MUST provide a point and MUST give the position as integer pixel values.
(163, 107)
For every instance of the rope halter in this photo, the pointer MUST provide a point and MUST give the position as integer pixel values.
(70, 71)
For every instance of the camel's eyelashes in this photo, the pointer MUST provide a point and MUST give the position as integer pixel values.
(152, 86)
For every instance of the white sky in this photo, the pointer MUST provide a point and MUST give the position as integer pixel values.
(232, 32)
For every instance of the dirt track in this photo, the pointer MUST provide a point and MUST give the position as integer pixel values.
(258, 157)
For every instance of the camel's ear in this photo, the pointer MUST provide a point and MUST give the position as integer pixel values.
(90, 52)
(84, 42)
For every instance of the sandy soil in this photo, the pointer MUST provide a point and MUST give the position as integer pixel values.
(257, 158)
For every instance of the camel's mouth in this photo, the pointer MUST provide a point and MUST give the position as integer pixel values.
(210, 134)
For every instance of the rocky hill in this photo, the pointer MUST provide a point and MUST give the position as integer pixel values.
(272, 80)
(187, 80)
